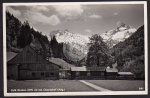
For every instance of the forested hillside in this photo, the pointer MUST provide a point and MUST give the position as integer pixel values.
(20, 35)
(129, 54)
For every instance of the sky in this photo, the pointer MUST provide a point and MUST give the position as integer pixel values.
(82, 19)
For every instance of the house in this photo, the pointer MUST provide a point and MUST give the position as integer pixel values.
(28, 65)
(96, 71)
(64, 67)
(99, 73)
(125, 75)
(87, 72)
(111, 72)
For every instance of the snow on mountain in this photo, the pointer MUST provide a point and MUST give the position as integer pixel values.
(66, 36)
(77, 43)
(114, 36)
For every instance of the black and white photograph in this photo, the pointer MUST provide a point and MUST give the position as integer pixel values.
(75, 48)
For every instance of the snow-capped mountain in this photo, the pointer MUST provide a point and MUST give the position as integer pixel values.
(66, 36)
(114, 36)
(75, 46)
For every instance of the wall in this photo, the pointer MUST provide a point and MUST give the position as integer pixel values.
(33, 71)
(12, 72)
(38, 71)
(87, 75)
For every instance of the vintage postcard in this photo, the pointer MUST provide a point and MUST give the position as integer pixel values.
(74, 49)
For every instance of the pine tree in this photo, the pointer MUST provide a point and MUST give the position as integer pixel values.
(54, 46)
(25, 37)
(98, 52)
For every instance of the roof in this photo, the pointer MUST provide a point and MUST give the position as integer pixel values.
(111, 70)
(125, 73)
(88, 68)
(78, 69)
(11, 55)
(60, 62)
(95, 68)
(28, 55)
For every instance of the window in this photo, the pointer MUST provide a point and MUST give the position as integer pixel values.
(42, 73)
(33, 73)
(52, 73)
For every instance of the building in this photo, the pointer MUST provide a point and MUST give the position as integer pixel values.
(64, 67)
(125, 75)
(28, 65)
(87, 72)
(111, 72)
(78, 72)
(99, 73)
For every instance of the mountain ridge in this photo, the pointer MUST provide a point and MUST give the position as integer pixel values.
(114, 36)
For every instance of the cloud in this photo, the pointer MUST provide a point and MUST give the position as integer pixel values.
(94, 16)
(115, 13)
(39, 8)
(88, 30)
(69, 11)
(13, 11)
(39, 17)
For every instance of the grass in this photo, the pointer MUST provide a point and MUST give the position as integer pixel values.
(65, 85)
(120, 85)
(74, 85)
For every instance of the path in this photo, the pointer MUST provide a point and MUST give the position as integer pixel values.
(94, 86)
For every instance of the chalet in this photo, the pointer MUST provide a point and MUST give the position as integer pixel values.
(78, 72)
(125, 75)
(111, 72)
(99, 73)
(87, 72)
(64, 67)
(29, 65)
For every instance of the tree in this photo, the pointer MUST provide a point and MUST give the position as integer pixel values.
(54, 46)
(25, 37)
(19, 35)
(98, 54)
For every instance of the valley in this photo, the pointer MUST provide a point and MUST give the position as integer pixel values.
(123, 45)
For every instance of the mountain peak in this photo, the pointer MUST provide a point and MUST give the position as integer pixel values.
(120, 33)
(62, 36)
(120, 24)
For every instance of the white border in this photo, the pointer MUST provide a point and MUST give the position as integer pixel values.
(76, 93)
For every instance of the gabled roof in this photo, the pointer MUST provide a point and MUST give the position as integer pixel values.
(78, 69)
(111, 70)
(27, 55)
(63, 64)
(10, 55)
(88, 68)
(125, 73)
(95, 68)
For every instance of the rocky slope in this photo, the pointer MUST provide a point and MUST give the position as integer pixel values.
(77, 44)
(114, 36)
(63, 36)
